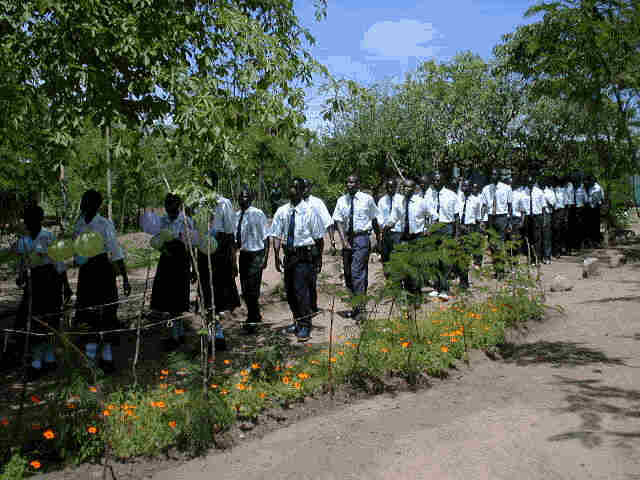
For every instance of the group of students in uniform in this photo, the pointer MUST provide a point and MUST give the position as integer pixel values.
(551, 216)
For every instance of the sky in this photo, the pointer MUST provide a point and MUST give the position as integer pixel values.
(374, 40)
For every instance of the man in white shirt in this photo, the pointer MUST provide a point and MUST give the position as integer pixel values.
(470, 211)
(385, 206)
(407, 222)
(355, 215)
(252, 241)
(570, 201)
(559, 221)
(537, 204)
(581, 201)
(547, 218)
(297, 226)
(327, 222)
(595, 199)
(447, 211)
(502, 209)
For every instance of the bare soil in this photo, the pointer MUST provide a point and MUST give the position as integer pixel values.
(561, 401)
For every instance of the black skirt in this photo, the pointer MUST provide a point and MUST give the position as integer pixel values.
(171, 284)
(225, 290)
(46, 303)
(96, 294)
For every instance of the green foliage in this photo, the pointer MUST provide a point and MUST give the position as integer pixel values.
(15, 468)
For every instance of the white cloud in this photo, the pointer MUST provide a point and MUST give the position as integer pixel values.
(400, 40)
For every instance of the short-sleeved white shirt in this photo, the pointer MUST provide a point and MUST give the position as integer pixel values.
(538, 200)
(253, 231)
(105, 228)
(224, 216)
(40, 246)
(419, 214)
(561, 197)
(321, 209)
(448, 205)
(364, 211)
(596, 195)
(385, 204)
(581, 196)
(308, 224)
(550, 198)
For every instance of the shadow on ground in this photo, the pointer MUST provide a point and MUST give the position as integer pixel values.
(559, 354)
(592, 401)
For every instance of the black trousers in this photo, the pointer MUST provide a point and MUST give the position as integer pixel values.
(559, 227)
(547, 236)
(250, 270)
(225, 290)
(389, 241)
(592, 225)
(499, 225)
(356, 266)
(298, 283)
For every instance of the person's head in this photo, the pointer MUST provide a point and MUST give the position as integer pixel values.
(423, 182)
(296, 190)
(465, 186)
(245, 198)
(308, 185)
(172, 204)
(390, 186)
(33, 216)
(353, 184)
(408, 187)
(476, 188)
(437, 179)
(90, 203)
(211, 179)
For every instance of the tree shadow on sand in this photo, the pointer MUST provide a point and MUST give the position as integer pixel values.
(559, 354)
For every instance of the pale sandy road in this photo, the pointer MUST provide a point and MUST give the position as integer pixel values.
(565, 406)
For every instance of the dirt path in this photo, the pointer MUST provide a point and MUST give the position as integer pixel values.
(564, 405)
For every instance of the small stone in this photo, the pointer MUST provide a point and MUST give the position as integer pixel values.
(560, 283)
(590, 267)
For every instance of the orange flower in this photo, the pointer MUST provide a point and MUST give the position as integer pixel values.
(35, 399)
(163, 386)
(4, 422)
(35, 464)
(454, 339)
(348, 344)
(444, 349)
(93, 389)
(179, 391)
(255, 366)
(213, 385)
(49, 435)
(354, 345)
(277, 368)
(71, 405)
(262, 395)
(92, 430)
(112, 407)
(340, 353)
(162, 377)
(494, 310)
(106, 413)
(406, 344)
(303, 376)
(333, 359)
(240, 386)
(173, 424)
(129, 413)
(227, 362)
(285, 380)
(158, 404)
(244, 373)
(384, 350)
(297, 385)
(224, 391)
(164, 372)
(315, 362)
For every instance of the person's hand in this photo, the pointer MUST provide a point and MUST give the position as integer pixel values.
(234, 269)
(126, 286)
(265, 262)
(278, 264)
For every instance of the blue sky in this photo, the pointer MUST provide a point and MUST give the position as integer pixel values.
(372, 40)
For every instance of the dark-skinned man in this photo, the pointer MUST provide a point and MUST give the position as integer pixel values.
(409, 219)
(327, 222)
(500, 219)
(385, 206)
(298, 228)
(355, 215)
(252, 241)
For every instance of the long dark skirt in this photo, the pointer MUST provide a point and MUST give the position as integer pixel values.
(225, 290)
(171, 284)
(96, 293)
(46, 303)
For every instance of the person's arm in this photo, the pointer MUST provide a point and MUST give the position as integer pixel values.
(266, 253)
(276, 252)
(343, 238)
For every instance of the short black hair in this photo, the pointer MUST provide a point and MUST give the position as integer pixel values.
(33, 212)
(93, 198)
(172, 199)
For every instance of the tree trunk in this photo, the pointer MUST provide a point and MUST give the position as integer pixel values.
(107, 135)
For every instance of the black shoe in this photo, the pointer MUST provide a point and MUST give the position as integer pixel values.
(107, 366)
(293, 328)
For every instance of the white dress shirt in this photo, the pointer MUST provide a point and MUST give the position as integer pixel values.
(581, 196)
(364, 211)
(448, 206)
(504, 197)
(471, 210)
(308, 224)
(538, 200)
(105, 228)
(253, 231)
(419, 214)
(321, 209)
(486, 196)
(550, 198)
(596, 195)
(224, 218)
(524, 202)
(40, 247)
(561, 197)
(385, 204)
(569, 194)
(516, 198)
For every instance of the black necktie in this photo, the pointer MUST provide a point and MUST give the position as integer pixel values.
(351, 213)
(239, 231)
(531, 202)
(438, 219)
(464, 211)
(406, 217)
(292, 229)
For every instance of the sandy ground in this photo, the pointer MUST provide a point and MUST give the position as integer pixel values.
(563, 404)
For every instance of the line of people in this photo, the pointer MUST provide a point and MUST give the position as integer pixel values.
(550, 215)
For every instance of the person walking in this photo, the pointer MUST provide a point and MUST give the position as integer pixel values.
(389, 238)
(595, 199)
(559, 220)
(537, 204)
(355, 215)
(298, 228)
